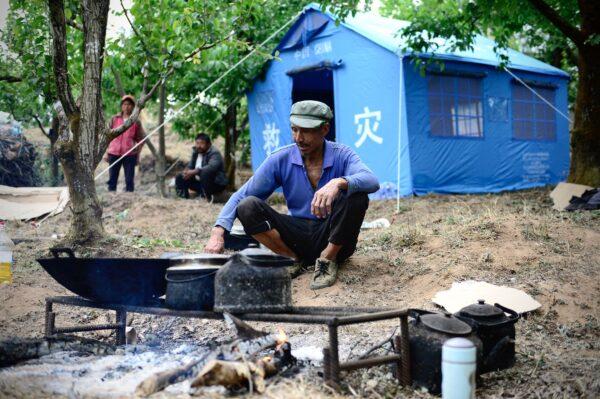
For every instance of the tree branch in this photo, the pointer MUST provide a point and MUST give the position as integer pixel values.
(59, 44)
(135, 31)
(152, 149)
(41, 126)
(118, 82)
(115, 132)
(559, 22)
(10, 79)
(73, 24)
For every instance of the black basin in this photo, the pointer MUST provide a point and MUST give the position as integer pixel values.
(126, 281)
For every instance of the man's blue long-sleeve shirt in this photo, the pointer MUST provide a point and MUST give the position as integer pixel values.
(285, 168)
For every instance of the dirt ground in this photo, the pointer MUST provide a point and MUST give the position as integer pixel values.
(512, 239)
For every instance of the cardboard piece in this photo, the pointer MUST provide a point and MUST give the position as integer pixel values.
(24, 203)
(563, 192)
(466, 293)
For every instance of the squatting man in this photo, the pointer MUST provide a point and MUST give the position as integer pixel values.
(325, 185)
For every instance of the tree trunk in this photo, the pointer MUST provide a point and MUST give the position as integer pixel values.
(86, 221)
(54, 166)
(585, 137)
(231, 135)
(160, 160)
(53, 135)
(78, 149)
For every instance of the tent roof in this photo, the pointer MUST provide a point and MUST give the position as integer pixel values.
(383, 31)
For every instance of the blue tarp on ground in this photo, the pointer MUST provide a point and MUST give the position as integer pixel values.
(468, 128)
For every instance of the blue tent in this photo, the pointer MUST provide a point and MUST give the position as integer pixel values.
(468, 127)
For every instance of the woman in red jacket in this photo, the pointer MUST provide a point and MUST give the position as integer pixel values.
(122, 144)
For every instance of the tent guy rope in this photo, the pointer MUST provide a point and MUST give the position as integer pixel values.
(538, 95)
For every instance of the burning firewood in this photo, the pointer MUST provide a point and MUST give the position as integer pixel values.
(231, 375)
(242, 349)
(245, 374)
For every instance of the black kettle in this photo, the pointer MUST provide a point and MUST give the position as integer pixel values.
(427, 333)
(496, 330)
(254, 280)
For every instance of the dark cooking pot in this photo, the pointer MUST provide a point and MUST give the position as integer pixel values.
(427, 333)
(191, 281)
(254, 280)
(496, 331)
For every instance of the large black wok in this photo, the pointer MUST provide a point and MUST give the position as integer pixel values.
(126, 281)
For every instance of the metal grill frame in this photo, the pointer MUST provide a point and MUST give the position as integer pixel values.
(332, 317)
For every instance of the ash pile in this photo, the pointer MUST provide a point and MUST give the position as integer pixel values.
(17, 161)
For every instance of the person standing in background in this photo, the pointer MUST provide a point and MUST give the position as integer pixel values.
(120, 146)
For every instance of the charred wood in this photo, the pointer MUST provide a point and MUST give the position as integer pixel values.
(18, 350)
(240, 349)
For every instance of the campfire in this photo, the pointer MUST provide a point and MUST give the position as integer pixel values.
(246, 362)
(242, 363)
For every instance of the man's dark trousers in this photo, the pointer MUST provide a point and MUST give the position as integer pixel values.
(128, 162)
(308, 237)
(205, 187)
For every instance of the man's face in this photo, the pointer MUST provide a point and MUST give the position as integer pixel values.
(202, 146)
(127, 107)
(309, 141)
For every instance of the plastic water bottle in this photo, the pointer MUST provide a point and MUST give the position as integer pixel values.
(459, 357)
(6, 255)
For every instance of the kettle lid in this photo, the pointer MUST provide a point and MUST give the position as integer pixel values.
(481, 310)
(445, 323)
(265, 258)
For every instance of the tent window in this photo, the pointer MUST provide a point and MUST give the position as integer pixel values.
(455, 106)
(533, 119)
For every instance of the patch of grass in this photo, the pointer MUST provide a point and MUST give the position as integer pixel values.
(398, 262)
(453, 239)
(451, 220)
(276, 199)
(385, 239)
(536, 232)
(584, 217)
(416, 269)
(149, 243)
(350, 279)
(409, 237)
(486, 230)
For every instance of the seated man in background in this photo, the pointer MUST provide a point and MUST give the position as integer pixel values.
(205, 174)
(325, 185)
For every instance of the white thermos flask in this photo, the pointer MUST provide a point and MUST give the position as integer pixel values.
(459, 356)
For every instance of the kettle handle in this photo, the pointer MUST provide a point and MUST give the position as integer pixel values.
(417, 313)
(514, 316)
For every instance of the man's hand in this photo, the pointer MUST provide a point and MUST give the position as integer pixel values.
(189, 173)
(323, 198)
(216, 242)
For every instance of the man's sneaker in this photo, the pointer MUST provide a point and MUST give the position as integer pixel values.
(181, 193)
(296, 269)
(325, 274)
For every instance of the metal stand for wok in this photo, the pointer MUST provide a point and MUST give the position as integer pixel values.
(332, 317)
